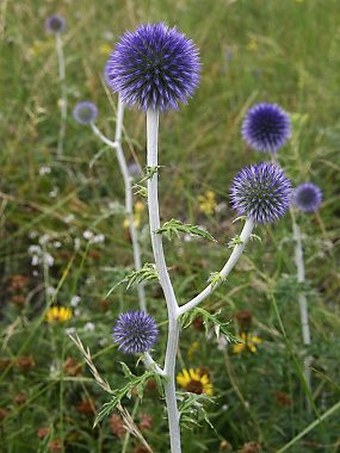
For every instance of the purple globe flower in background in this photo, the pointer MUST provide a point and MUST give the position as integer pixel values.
(262, 192)
(85, 112)
(307, 197)
(135, 332)
(55, 24)
(266, 127)
(154, 67)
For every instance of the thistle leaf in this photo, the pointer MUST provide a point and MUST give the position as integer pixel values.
(174, 227)
(135, 278)
(211, 322)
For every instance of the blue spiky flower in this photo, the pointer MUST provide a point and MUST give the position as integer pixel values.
(85, 112)
(55, 24)
(154, 67)
(266, 127)
(307, 197)
(262, 192)
(135, 332)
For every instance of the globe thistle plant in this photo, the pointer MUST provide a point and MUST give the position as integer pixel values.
(85, 112)
(307, 197)
(55, 24)
(261, 192)
(266, 127)
(154, 67)
(135, 332)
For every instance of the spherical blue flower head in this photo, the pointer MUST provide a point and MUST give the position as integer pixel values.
(55, 24)
(154, 67)
(307, 197)
(135, 332)
(262, 192)
(85, 112)
(266, 127)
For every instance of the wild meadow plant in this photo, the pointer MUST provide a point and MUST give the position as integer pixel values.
(267, 128)
(307, 198)
(56, 25)
(154, 69)
(85, 113)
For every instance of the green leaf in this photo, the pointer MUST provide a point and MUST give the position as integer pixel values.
(135, 384)
(174, 227)
(140, 190)
(191, 408)
(216, 279)
(150, 172)
(236, 240)
(210, 322)
(135, 278)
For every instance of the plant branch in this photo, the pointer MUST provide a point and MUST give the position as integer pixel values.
(117, 146)
(150, 364)
(152, 123)
(227, 268)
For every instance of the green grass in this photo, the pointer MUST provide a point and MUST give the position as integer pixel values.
(252, 50)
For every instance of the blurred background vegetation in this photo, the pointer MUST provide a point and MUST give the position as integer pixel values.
(285, 52)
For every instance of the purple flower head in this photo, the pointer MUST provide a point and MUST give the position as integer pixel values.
(85, 112)
(262, 192)
(55, 24)
(307, 197)
(135, 332)
(154, 67)
(266, 127)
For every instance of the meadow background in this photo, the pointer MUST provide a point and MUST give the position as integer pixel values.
(282, 51)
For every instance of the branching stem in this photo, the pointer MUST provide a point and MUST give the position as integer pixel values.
(117, 146)
(227, 268)
(174, 311)
(152, 124)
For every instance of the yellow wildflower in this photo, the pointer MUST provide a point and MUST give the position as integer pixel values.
(105, 48)
(58, 314)
(195, 381)
(139, 206)
(193, 349)
(139, 209)
(248, 343)
(207, 202)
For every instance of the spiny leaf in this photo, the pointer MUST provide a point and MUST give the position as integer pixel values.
(192, 410)
(210, 322)
(216, 278)
(140, 190)
(150, 172)
(174, 227)
(134, 384)
(236, 240)
(136, 277)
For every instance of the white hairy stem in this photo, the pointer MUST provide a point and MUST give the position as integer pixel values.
(300, 268)
(227, 268)
(150, 364)
(152, 124)
(117, 146)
